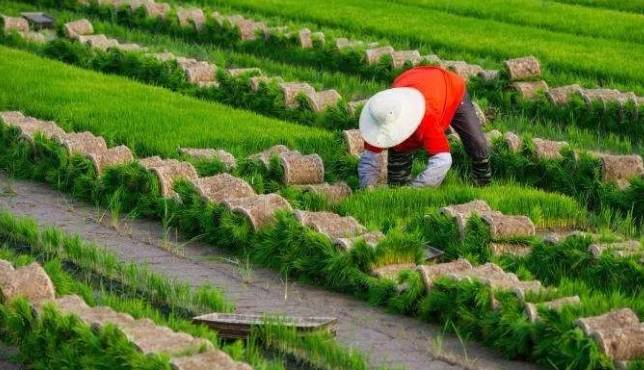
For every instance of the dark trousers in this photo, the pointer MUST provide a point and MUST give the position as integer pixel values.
(469, 128)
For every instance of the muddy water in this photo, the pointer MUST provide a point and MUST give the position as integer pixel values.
(388, 340)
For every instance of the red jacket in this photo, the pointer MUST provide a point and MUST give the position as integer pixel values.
(444, 92)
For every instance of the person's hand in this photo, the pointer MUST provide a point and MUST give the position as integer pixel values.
(369, 169)
(435, 172)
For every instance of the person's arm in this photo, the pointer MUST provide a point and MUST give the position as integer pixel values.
(369, 168)
(435, 172)
(440, 160)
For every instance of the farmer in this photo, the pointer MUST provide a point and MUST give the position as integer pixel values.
(413, 115)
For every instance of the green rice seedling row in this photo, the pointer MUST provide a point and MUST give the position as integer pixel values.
(613, 118)
(601, 59)
(382, 257)
(544, 265)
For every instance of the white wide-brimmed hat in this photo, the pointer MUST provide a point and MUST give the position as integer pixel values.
(391, 116)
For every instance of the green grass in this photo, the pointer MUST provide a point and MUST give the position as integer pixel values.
(633, 6)
(385, 208)
(149, 120)
(605, 61)
(350, 86)
(547, 15)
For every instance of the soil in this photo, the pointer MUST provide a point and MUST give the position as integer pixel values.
(389, 340)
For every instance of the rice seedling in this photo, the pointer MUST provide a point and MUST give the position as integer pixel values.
(552, 16)
(446, 33)
(408, 216)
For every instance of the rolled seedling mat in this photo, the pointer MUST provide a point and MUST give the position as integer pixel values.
(29, 127)
(561, 95)
(392, 271)
(9, 117)
(236, 72)
(31, 282)
(217, 17)
(304, 36)
(466, 209)
(620, 167)
(322, 100)
(400, 58)
(523, 68)
(462, 213)
(513, 141)
(505, 226)
(34, 37)
(130, 47)
(258, 209)
(155, 339)
(291, 91)
(112, 3)
(16, 24)
(618, 249)
(354, 141)
(372, 239)
(618, 318)
(84, 143)
(492, 135)
(606, 96)
(150, 162)
(625, 344)
(343, 43)
(431, 59)
(330, 224)
(318, 37)
(201, 72)
(100, 42)
(530, 89)
(356, 106)
(207, 359)
(135, 4)
(257, 81)
(156, 10)
(334, 193)
(265, 156)
(222, 187)
(99, 317)
(482, 272)
(199, 153)
(518, 288)
(77, 28)
(557, 237)
(70, 304)
(518, 250)
(465, 70)
(430, 273)
(548, 149)
(111, 157)
(191, 17)
(480, 114)
(489, 75)
(302, 169)
(374, 55)
(246, 27)
(171, 170)
(533, 313)
(164, 57)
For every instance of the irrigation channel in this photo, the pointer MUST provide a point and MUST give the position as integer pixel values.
(388, 340)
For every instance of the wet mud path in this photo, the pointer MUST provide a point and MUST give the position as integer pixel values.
(388, 340)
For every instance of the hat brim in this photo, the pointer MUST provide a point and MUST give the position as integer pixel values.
(396, 132)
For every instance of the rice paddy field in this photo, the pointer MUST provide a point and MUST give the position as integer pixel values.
(179, 187)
